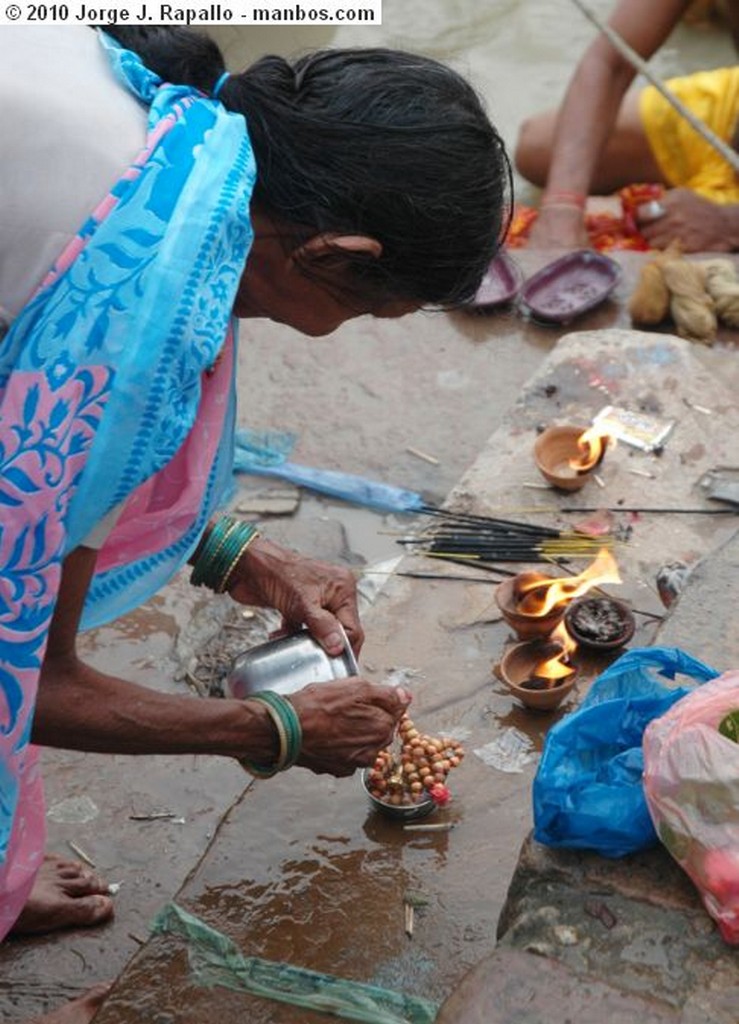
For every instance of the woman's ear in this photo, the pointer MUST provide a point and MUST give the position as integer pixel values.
(332, 245)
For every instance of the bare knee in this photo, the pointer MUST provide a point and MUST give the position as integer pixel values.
(533, 152)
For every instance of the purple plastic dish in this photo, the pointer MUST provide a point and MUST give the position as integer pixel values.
(569, 287)
(501, 284)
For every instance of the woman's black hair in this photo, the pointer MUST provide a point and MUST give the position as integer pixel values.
(374, 142)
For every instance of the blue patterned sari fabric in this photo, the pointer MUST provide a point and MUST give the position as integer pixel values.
(117, 391)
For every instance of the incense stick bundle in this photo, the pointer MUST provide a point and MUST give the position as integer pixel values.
(464, 536)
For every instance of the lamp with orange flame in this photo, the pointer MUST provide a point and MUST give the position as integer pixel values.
(537, 597)
(557, 666)
(591, 444)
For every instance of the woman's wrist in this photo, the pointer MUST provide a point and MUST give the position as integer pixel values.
(258, 740)
(287, 729)
(217, 556)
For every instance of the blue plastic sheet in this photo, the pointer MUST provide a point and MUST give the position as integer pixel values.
(264, 453)
(588, 791)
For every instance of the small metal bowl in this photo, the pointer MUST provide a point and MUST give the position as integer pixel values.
(288, 664)
(409, 812)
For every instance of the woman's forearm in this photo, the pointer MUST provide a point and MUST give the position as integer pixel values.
(80, 708)
(584, 124)
(595, 93)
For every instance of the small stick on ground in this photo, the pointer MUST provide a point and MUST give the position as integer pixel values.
(422, 455)
(439, 826)
(81, 853)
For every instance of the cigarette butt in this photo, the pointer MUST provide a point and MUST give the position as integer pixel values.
(642, 472)
(81, 853)
(409, 916)
(422, 455)
(599, 480)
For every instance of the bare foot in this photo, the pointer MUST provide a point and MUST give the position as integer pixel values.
(79, 1011)
(66, 894)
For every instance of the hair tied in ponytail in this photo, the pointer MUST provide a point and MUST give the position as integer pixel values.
(219, 84)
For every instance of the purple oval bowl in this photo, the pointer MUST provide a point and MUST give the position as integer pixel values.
(569, 287)
(501, 284)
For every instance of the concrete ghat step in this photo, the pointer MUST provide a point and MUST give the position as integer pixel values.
(635, 923)
(584, 372)
(515, 987)
(704, 620)
(622, 940)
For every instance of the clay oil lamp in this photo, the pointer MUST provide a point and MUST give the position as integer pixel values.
(600, 622)
(533, 603)
(567, 455)
(538, 672)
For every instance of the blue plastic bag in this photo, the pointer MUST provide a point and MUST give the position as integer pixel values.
(588, 791)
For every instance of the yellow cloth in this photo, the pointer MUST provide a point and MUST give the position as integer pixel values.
(684, 157)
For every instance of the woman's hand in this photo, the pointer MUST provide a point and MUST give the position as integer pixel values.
(304, 590)
(696, 223)
(346, 722)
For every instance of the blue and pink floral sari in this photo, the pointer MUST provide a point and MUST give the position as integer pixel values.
(117, 390)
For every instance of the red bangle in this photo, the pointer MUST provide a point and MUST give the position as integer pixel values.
(563, 206)
(561, 197)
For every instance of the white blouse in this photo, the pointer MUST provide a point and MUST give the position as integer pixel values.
(69, 130)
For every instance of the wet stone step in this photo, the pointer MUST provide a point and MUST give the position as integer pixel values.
(516, 987)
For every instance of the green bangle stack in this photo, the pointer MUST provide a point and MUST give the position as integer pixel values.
(227, 540)
(287, 724)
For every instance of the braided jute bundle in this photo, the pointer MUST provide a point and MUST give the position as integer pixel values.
(691, 306)
(650, 301)
(722, 284)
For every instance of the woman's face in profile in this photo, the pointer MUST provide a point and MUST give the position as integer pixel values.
(278, 285)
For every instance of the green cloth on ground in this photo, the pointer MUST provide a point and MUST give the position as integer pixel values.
(216, 960)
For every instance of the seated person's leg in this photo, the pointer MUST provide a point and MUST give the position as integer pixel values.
(626, 159)
(534, 147)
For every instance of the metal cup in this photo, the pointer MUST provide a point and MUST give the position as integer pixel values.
(288, 664)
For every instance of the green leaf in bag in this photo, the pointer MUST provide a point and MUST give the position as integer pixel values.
(729, 726)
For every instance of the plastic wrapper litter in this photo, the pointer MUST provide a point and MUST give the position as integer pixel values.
(588, 791)
(691, 783)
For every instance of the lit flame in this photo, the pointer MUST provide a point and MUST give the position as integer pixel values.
(540, 596)
(557, 667)
(592, 444)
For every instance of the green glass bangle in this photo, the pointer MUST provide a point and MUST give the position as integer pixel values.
(213, 542)
(289, 717)
(232, 553)
(289, 732)
(226, 542)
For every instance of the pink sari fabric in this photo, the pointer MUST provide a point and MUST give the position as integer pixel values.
(116, 387)
(163, 507)
(26, 847)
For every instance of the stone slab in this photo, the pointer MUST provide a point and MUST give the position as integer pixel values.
(513, 987)
(288, 885)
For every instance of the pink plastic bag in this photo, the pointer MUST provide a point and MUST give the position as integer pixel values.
(691, 783)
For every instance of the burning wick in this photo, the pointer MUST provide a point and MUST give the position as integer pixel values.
(552, 670)
(538, 597)
(592, 445)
